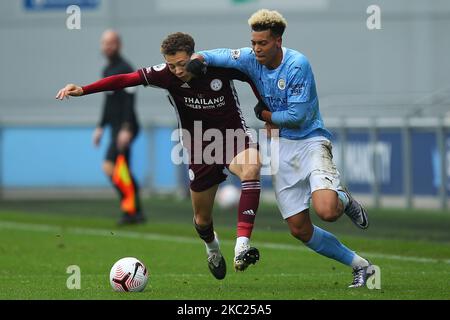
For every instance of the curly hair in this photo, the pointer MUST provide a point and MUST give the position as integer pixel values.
(176, 42)
(265, 19)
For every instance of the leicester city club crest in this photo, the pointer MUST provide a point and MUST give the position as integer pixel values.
(159, 67)
(216, 84)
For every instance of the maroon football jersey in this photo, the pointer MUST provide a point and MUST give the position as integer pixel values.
(211, 99)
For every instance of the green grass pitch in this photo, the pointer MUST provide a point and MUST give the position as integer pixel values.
(40, 239)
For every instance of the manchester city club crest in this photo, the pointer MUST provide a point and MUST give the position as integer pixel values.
(216, 84)
(281, 84)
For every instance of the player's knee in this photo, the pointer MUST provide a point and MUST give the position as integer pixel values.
(327, 213)
(250, 172)
(326, 208)
(301, 233)
(201, 220)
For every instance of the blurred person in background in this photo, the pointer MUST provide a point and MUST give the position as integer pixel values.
(119, 114)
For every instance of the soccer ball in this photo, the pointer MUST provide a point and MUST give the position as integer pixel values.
(128, 274)
(228, 196)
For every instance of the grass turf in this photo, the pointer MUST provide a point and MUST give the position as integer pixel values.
(39, 240)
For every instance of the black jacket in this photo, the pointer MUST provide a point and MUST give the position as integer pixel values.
(119, 106)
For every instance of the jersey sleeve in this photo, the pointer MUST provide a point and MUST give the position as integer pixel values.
(113, 83)
(299, 82)
(299, 86)
(240, 59)
(155, 76)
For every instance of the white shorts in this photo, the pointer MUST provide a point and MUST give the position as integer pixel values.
(304, 166)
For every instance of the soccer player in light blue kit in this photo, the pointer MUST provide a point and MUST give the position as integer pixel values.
(305, 170)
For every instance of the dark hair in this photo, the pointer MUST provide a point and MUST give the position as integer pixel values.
(276, 29)
(176, 42)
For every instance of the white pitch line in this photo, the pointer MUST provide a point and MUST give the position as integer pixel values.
(177, 239)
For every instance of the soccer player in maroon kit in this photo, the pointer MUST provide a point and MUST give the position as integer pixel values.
(209, 102)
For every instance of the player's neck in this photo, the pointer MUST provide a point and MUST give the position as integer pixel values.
(275, 63)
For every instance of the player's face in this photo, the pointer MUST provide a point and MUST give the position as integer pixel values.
(266, 47)
(177, 65)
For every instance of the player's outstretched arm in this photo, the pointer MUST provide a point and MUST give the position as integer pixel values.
(112, 83)
(241, 59)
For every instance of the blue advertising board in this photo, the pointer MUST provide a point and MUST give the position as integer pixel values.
(423, 143)
(62, 156)
(390, 162)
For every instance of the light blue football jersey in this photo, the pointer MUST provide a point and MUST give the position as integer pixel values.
(289, 91)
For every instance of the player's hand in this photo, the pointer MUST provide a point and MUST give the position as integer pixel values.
(196, 67)
(97, 136)
(124, 139)
(269, 126)
(69, 90)
(259, 108)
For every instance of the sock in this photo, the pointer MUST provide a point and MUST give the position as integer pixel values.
(248, 205)
(206, 233)
(240, 242)
(329, 246)
(359, 261)
(213, 245)
(343, 197)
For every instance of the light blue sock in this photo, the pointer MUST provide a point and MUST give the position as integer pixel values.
(329, 246)
(343, 197)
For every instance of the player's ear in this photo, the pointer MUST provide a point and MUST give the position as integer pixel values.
(279, 42)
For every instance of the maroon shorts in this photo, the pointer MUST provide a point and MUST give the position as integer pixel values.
(203, 176)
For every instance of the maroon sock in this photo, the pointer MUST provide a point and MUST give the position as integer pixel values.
(248, 205)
